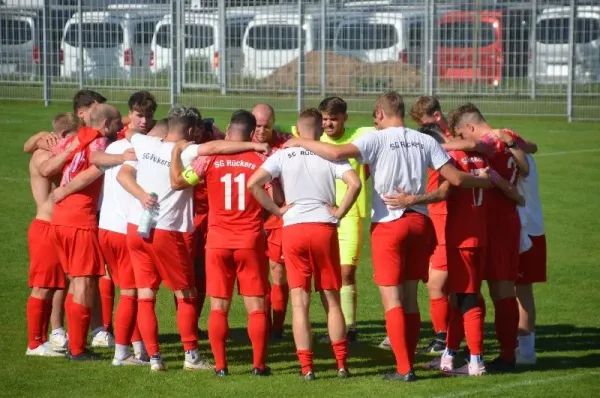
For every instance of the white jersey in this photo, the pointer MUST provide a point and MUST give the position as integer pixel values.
(116, 201)
(308, 183)
(398, 157)
(175, 208)
(531, 215)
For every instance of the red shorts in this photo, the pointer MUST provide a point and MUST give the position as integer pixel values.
(164, 256)
(502, 254)
(274, 245)
(248, 266)
(532, 263)
(465, 269)
(401, 249)
(78, 250)
(200, 231)
(44, 265)
(312, 249)
(115, 252)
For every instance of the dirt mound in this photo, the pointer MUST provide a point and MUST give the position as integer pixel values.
(346, 74)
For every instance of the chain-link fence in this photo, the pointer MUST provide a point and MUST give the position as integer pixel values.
(536, 57)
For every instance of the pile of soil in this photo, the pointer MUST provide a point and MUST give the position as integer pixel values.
(346, 75)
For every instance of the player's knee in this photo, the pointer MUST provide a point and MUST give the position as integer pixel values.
(42, 293)
(146, 293)
(128, 292)
(186, 293)
(466, 302)
(348, 275)
(219, 304)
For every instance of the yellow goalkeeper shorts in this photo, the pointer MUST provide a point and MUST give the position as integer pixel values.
(350, 237)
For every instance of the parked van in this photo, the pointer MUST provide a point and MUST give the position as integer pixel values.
(20, 49)
(116, 43)
(552, 46)
(463, 54)
(382, 37)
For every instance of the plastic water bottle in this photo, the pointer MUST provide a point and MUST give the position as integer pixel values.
(147, 220)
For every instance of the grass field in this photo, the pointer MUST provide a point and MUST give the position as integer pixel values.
(568, 333)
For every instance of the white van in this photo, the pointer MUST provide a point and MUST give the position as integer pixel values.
(116, 43)
(382, 37)
(19, 43)
(201, 43)
(552, 46)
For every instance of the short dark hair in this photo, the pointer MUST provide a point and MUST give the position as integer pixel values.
(433, 130)
(425, 105)
(243, 121)
(86, 98)
(312, 119)
(456, 116)
(333, 106)
(143, 102)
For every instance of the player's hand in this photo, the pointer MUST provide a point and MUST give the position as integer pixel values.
(262, 147)
(73, 145)
(129, 155)
(58, 194)
(521, 201)
(503, 136)
(398, 200)
(147, 201)
(333, 210)
(284, 209)
(293, 142)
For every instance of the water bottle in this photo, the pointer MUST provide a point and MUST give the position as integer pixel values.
(147, 220)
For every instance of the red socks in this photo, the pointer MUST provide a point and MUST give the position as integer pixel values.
(507, 326)
(439, 310)
(78, 328)
(36, 315)
(279, 300)
(340, 351)
(456, 330)
(218, 330)
(187, 322)
(394, 324)
(258, 331)
(125, 319)
(306, 360)
(136, 335)
(68, 306)
(46, 321)
(148, 325)
(473, 324)
(107, 298)
(413, 326)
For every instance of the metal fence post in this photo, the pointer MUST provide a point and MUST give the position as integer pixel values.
(432, 50)
(533, 49)
(46, 52)
(180, 46)
(300, 92)
(80, 42)
(223, 62)
(323, 44)
(174, 46)
(571, 55)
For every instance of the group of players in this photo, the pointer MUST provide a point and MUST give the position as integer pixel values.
(453, 204)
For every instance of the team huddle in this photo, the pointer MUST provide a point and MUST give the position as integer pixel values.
(135, 202)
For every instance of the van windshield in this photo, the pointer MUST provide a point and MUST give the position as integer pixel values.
(462, 34)
(367, 36)
(14, 31)
(95, 35)
(274, 37)
(195, 36)
(556, 30)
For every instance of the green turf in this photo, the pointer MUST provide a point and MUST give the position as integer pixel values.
(568, 334)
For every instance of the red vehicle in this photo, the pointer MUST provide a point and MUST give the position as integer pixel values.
(469, 46)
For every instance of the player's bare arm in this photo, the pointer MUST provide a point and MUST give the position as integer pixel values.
(49, 139)
(464, 180)
(324, 149)
(521, 160)
(178, 181)
(55, 164)
(509, 137)
(227, 147)
(127, 178)
(508, 189)
(354, 185)
(402, 200)
(466, 145)
(276, 193)
(256, 185)
(80, 181)
(102, 159)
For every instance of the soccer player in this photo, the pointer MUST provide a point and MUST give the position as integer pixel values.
(74, 222)
(142, 106)
(334, 112)
(234, 242)
(310, 242)
(402, 239)
(502, 256)
(46, 276)
(279, 288)
(83, 102)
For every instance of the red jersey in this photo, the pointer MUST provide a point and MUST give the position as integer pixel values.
(235, 218)
(466, 223)
(122, 132)
(276, 143)
(433, 182)
(80, 209)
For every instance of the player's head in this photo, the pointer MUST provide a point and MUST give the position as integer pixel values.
(181, 122)
(310, 124)
(83, 101)
(142, 106)
(241, 126)
(106, 119)
(199, 130)
(66, 123)
(433, 130)
(160, 129)
(426, 110)
(265, 120)
(334, 111)
(388, 110)
(466, 122)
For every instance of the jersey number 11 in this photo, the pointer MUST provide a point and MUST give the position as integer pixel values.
(240, 179)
